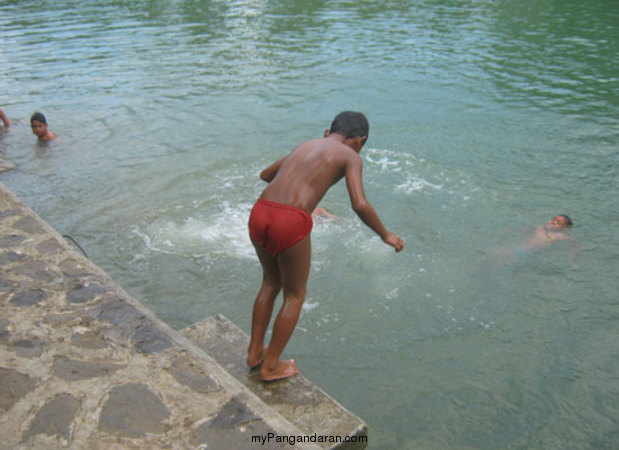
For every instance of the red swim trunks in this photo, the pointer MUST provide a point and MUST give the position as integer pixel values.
(277, 227)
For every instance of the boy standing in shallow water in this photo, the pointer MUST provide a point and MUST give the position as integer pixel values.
(38, 123)
(280, 224)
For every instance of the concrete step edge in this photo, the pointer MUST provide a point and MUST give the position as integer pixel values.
(297, 399)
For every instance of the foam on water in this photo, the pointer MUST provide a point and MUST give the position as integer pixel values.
(223, 233)
(216, 226)
(410, 174)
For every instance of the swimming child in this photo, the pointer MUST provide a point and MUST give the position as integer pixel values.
(280, 225)
(542, 238)
(39, 127)
(553, 231)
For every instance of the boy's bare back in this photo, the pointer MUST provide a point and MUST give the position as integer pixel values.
(304, 176)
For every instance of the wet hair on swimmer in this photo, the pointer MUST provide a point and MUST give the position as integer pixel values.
(350, 124)
(38, 117)
(568, 221)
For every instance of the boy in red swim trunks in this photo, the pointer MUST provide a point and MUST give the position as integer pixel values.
(280, 224)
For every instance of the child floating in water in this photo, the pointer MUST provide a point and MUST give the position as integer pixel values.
(39, 127)
(543, 236)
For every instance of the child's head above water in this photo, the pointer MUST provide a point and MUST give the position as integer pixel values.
(38, 117)
(559, 221)
(38, 123)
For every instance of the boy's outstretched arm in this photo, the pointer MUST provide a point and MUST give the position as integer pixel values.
(362, 206)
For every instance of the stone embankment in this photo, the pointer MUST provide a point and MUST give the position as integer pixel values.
(84, 365)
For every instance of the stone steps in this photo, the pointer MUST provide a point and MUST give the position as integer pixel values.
(297, 399)
(84, 365)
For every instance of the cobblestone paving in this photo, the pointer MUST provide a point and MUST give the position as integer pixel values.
(84, 365)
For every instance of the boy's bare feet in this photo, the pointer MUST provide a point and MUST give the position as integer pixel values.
(254, 359)
(283, 369)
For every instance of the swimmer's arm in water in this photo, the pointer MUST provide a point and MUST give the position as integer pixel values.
(363, 208)
(319, 211)
(5, 119)
(269, 173)
(574, 251)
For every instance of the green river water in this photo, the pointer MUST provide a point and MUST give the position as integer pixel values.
(487, 118)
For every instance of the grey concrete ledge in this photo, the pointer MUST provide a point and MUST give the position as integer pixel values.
(297, 399)
(83, 365)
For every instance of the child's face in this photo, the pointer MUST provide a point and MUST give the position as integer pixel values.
(557, 222)
(39, 128)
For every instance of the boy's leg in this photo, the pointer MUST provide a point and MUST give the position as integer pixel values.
(294, 266)
(263, 305)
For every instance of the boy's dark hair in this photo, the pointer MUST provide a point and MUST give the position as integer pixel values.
(350, 124)
(567, 219)
(39, 117)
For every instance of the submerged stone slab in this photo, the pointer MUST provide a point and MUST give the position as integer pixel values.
(297, 399)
